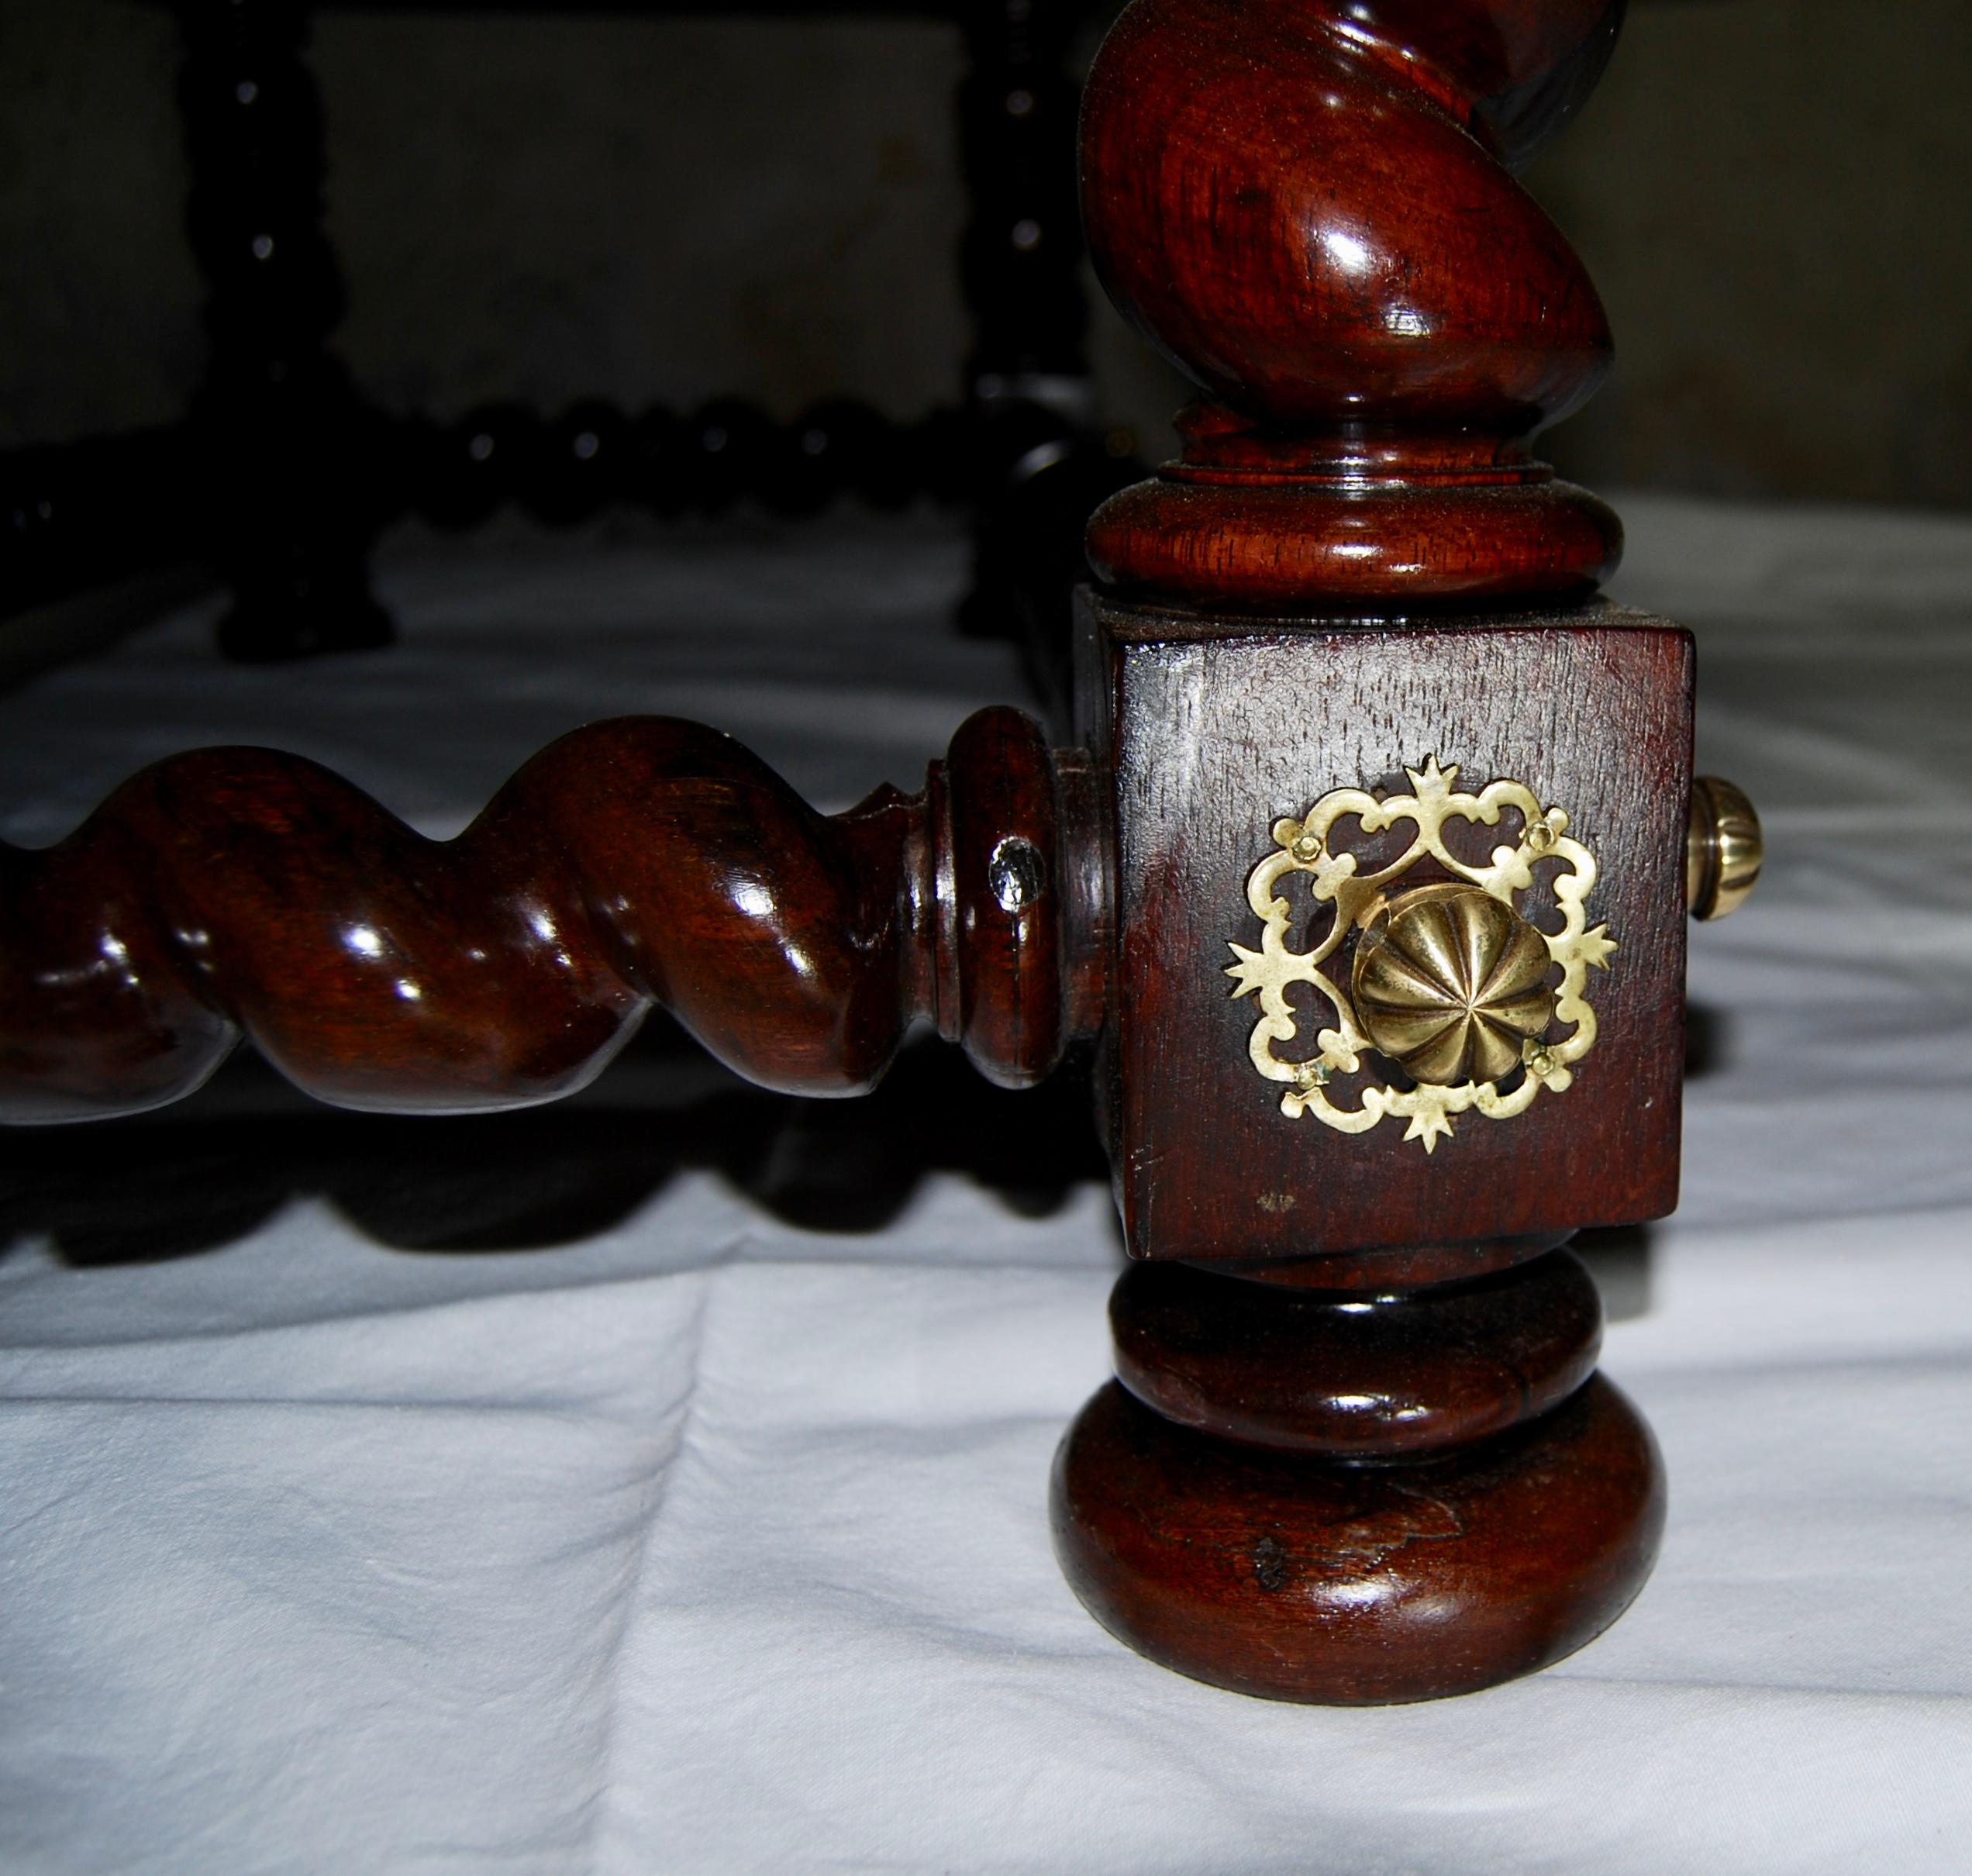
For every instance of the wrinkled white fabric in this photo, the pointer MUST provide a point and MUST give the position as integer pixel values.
(687, 1512)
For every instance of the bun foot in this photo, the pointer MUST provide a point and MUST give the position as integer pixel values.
(1301, 1578)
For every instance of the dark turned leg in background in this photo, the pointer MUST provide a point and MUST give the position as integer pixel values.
(1356, 1494)
(295, 464)
(1041, 465)
(76, 515)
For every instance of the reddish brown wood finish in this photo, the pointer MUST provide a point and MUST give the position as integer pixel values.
(1351, 1377)
(641, 861)
(1296, 1579)
(1303, 204)
(1384, 1474)
(1368, 1466)
(1212, 728)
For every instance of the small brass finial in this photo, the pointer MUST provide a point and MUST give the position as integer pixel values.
(1723, 849)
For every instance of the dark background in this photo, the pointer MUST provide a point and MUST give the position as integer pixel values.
(1773, 195)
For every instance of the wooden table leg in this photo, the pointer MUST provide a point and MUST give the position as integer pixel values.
(1369, 881)
(1401, 816)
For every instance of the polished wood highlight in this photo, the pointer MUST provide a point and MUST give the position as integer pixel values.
(1210, 729)
(1307, 208)
(1338, 1373)
(1277, 1575)
(1322, 1495)
(1355, 1452)
(638, 862)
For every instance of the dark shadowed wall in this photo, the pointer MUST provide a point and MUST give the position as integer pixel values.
(1774, 194)
(1775, 198)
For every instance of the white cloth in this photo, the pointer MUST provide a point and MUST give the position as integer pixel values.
(697, 1532)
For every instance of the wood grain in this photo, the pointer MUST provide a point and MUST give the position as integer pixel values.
(1307, 208)
(1356, 1453)
(1351, 1377)
(1372, 1465)
(1214, 729)
(1276, 1574)
(633, 863)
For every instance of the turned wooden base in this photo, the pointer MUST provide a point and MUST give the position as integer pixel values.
(1297, 1575)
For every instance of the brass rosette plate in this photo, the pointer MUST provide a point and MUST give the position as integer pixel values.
(1448, 983)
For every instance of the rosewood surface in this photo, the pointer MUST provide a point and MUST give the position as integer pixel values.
(1277, 1575)
(1351, 1376)
(1307, 208)
(1355, 1452)
(639, 862)
(1386, 1473)
(1212, 728)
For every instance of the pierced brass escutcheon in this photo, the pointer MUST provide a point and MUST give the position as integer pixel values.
(1449, 982)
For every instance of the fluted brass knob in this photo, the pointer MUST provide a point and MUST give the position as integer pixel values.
(1722, 849)
(1451, 984)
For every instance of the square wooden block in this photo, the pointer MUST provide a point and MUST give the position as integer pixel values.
(1214, 730)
